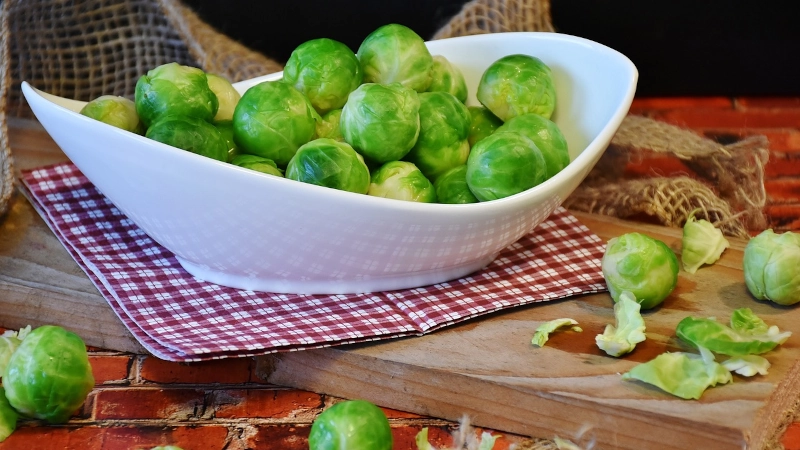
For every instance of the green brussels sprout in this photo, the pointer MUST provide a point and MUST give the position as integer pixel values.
(546, 135)
(257, 163)
(770, 267)
(442, 142)
(445, 77)
(681, 374)
(516, 85)
(273, 119)
(8, 416)
(225, 128)
(173, 89)
(401, 180)
(642, 265)
(328, 125)
(190, 134)
(116, 111)
(451, 187)
(482, 123)
(324, 70)
(702, 243)
(504, 164)
(351, 425)
(747, 335)
(329, 163)
(381, 121)
(48, 377)
(394, 53)
(227, 96)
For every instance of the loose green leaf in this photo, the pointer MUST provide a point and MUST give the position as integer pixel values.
(542, 333)
(421, 440)
(9, 341)
(684, 375)
(748, 365)
(629, 331)
(565, 444)
(8, 417)
(719, 338)
(702, 243)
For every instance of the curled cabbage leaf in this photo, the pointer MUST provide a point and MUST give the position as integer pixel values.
(542, 333)
(747, 335)
(629, 331)
(747, 365)
(702, 243)
(9, 341)
(684, 375)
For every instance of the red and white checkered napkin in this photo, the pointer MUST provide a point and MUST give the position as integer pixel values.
(179, 317)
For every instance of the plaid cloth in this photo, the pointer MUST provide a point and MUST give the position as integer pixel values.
(181, 318)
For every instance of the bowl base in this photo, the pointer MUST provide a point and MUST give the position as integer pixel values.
(334, 286)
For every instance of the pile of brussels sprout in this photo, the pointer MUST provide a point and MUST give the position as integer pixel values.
(389, 120)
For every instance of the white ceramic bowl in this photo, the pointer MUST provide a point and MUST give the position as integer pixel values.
(244, 229)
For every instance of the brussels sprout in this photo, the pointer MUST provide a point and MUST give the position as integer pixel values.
(546, 135)
(351, 425)
(381, 121)
(225, 128)
(9, 341)
(684, 375)
(227, 96)
(8, 416)
(324, 70)
(273, 119)
(173, 89)
(402, 180)
(328, 125)
(394, 53)
(190, 134)
(629, 331)
(770, 267)
(542, 333)
(445, 77)
(751, 336)
(329, 163)
(702, 243)
(451, 187)
(116, 111)
(504, 164)
(257, 163)
(48, 377)
(442, 142)
(642, 265)
(516, 85)
(482, 123)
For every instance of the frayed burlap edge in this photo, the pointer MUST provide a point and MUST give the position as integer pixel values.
(6, 161)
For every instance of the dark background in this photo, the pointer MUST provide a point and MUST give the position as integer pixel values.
(681, 47)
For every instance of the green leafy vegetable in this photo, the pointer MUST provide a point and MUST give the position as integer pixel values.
(748, 335)
(451, 187)
(504, 164)
(482, 123)
(328, 125)
(174, 89)
(747, 365)
(227, 96)
(9, 341)
(329, 163)
(8, 416)
(115, 111)
(446, 77)
(642, 265)
(565, 444)
(395, 53)
(48, 377)
(685, 375)
(258, 164)
(702, 243)
(485, 442)
(190, 134)
(351, 425)
(542, 333)
(402, 180)
(547, 137)
(516, 85)
(770, 267)
(622, 339)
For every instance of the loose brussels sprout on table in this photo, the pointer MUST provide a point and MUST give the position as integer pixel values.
(324, 70)
(402, 180)
(273, 119)
(442, 142)
(115, 111)
(329, 163)
(516, 85)
(446, 77)
(191, 134)
(381, 121)
(547, 137)
(174, 89)
(351, 425)
(770, 267)
(642, 265)
(395, 53)
(504, 164)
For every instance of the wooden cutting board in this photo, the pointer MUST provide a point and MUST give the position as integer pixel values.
(485, 368)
